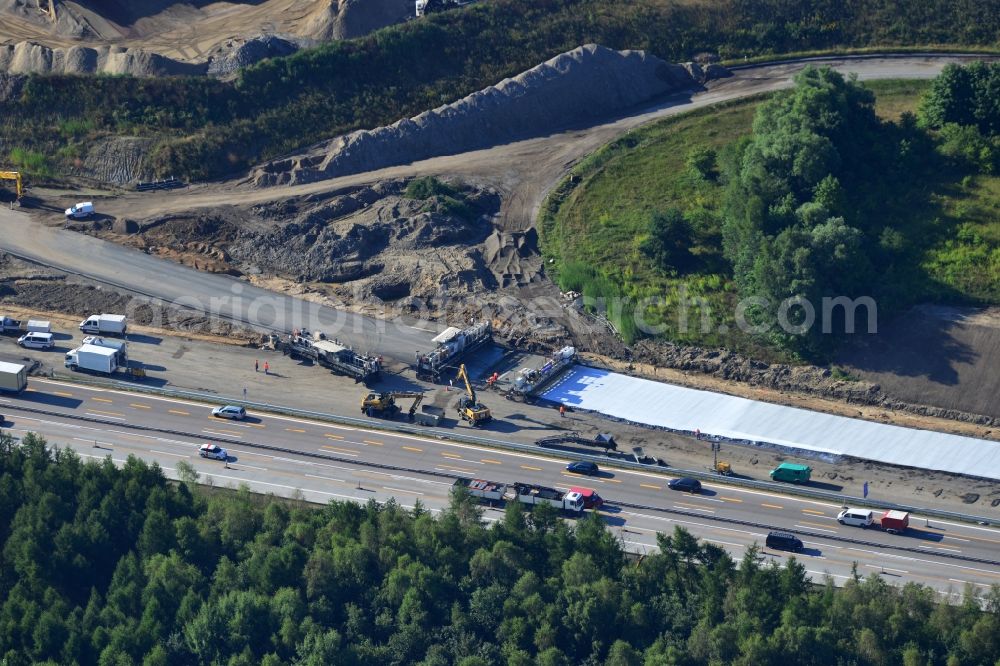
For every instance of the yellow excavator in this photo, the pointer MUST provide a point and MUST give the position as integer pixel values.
(16, 177)
(384, 404)
(469, 408)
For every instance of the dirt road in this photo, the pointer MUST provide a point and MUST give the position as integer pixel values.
(525, 171)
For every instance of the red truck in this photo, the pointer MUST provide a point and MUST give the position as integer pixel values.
(895, 522)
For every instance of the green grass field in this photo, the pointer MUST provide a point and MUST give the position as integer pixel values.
(594, 222)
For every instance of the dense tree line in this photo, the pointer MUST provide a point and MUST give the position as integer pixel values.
(205, 127)
(101, 565)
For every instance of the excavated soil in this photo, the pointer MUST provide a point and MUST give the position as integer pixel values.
(588, 82)
(156, 37)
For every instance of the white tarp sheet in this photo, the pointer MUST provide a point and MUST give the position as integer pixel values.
(679, 408)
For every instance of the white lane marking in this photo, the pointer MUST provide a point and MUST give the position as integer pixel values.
(167, 453)
(281, 485)
(93, 441)
(221, 434)
(876, 566)
(402, 490)
(325, 478)
(245, 466)
(818, 529)
(727, 543)
(918, 559)
(339, 452)
(105, 416)
(827, 573)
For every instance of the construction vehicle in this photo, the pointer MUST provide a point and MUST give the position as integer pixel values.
(16, 177)
(724, 468)
(333, 355)
(384, 404)
(469, 408)
(452, 344)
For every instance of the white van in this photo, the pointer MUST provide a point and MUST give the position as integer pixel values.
(36, 341)
(81, 210)
(856, 517)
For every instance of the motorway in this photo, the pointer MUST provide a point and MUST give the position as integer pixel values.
(323, 461)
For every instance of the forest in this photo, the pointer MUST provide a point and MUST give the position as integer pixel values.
(204, 128)
(119, 565)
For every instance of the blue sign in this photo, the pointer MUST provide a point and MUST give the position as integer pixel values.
(866, 489)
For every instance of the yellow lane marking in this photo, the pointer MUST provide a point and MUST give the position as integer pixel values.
(806, 522)
(411, 448)
(256, 425)
(446, 454)
(815, 513)
(374, 443)
(335, 448)
(731, 499)
(294, 429)
(138, 406)
(101, 399)
(97, 411)
(536, 469)
(62, 393)
(648, 485)
(228, 432)
(332, 436)
(613, 480)
(693, 506)
(30, 390)
(771, 506)
(179, 412)
(490, 461)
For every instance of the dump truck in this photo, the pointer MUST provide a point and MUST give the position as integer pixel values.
(13, 377)
(332, 355)
(120, 347)
(93, 359)
(384, 403)
(469, 407)
(571, 502)
(452, 345)
(791, 473)
(8, 325)
(895, 522)
(429, 415)
(104, 324)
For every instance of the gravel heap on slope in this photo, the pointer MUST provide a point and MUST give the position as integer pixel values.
(346, 19)
(249, 52)
(31, 57)
(588, 82)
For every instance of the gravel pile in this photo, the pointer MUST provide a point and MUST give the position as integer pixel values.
(33, 58)
(581, 85)
(238, 56)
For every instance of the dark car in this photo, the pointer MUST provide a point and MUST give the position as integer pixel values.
(686, 484)
(581, 467)
(783, 541)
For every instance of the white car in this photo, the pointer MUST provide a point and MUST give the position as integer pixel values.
(856, 517)
(230, 412)
(36, 341)
(213, 451)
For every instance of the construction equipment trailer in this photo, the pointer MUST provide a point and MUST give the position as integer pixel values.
(452, 345)
(333, 355)
(572, 502)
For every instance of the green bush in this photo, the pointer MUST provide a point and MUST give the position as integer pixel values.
(427, 187)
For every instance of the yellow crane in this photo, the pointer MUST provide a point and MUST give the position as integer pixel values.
(469, 408)
(384, 404)
(16, 177)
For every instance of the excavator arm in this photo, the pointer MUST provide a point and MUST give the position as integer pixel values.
(471, 392)
(16, 177)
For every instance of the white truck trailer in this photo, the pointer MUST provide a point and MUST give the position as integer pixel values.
(93, 358)
(120, 347)
(572, 502)
(13, 377)
(38, 326)
(104, 324)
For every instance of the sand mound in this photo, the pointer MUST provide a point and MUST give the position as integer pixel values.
(344, 19)
(583, 84)
(34, 58)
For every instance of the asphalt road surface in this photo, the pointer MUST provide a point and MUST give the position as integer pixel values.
(323, 461)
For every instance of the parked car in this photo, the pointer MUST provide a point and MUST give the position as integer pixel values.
(36, 341)
(856, 517)
(213, 451)
(230, 412)
(783, 541)
(582, 467)
(686, 484)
